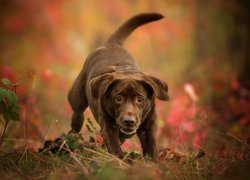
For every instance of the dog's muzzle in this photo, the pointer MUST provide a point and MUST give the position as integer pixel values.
(128, 125)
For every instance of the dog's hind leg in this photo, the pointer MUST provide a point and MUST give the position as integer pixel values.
(78, 102)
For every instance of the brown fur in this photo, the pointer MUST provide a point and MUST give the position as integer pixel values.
(120, 97)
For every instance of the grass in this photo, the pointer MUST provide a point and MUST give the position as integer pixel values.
(72, 157)
(81, 160)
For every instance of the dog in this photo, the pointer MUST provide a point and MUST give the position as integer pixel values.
(120, 96)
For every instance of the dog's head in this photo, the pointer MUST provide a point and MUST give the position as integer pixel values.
(129, 98)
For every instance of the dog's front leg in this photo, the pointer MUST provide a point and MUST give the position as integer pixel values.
(111, 140)
(148, 142)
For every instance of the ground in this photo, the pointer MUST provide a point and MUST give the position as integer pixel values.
(70, 157)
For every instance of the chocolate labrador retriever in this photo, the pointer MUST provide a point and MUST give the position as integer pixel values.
(119, 95)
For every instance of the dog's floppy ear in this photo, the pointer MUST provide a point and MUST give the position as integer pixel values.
(159, 87)
(100, 84)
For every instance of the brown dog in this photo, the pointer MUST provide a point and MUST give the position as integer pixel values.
(120, 97)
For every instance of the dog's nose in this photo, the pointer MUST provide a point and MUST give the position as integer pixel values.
(129, 122)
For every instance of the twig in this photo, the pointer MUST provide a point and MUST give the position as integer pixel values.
(182, 139)
(72, 154)
(77, 160)
(64, 142)
(109, 156)
(238, 139)
(25, 151)
(46, 131)
(24, 124)
(56, 121)
(4, 130)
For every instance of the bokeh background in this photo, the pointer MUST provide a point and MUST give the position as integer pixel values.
(201, 49)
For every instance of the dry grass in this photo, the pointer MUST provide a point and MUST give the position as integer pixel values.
(71, 157)
(91, 161)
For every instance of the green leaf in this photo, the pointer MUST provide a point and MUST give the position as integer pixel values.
(15, 108)
(11, 115)
(11, 97)
(2, 107)
(14, 116)
(3, 93)
(6, 116)
(6, 82)
(94, 165)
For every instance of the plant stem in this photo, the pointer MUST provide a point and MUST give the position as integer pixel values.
(5, 127)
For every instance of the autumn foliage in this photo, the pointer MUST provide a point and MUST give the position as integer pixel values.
(201, 49)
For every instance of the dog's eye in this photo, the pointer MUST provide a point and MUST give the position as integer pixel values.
(118, 99)
(139, 99)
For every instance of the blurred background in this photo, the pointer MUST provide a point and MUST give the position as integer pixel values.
(201, 49)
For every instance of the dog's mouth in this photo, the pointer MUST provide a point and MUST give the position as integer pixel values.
(128, 131)
(127, 124)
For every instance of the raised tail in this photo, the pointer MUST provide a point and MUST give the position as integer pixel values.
(120, 35)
